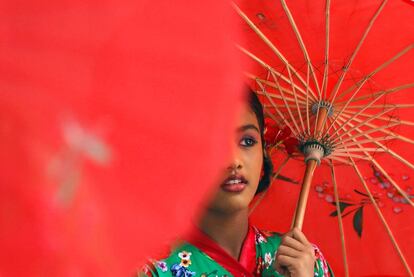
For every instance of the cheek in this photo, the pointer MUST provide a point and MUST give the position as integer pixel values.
(255, 164)
(259, 165)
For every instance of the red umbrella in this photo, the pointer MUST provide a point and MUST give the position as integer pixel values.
(338, 76)
(108, 114)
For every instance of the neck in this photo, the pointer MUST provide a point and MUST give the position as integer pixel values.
(228, 230)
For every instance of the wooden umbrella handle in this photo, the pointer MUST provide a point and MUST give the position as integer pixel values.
(304, 192)
(310, 169)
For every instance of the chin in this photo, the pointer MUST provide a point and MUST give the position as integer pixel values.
(229, 206)
(226, 210)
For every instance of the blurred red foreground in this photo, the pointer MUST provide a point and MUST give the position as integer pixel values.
(114, 121)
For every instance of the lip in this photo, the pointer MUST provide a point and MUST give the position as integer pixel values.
(239, 184)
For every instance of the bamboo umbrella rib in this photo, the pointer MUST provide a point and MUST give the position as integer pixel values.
(302, 45)
(343, 107)
(387, 119)
(277, 110)
(365, 121)
(364, 133)
(299, 111)
(296, 102)
(399, 106)
(327, 29)
(377, 96)
(350, 155)
(340, 224)
(272, 116)
(273, 85)
(339, 152)
(340, 127)
(269, 68)
(297, 107)
(388, 150)
(307, 102)
(381, 67)
(341, 160)
(362, 149)
(294, 155)
(393, 182)
(364, 97)
(364, 141)
(285, 103)
(395, 155)
(355, 115)
(355, 52)
(385, 131)
(316, 120)
(263, 194)
(277, 96)
(383, 220)
(262, 63)
(282, 106)
(381, 216)
(270, 45)
(360, 85)
(398, 188)
(268, 75)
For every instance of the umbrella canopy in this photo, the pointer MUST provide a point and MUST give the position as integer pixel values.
(103, 136)
(338, 76)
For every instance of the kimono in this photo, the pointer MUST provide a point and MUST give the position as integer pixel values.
(200, 256)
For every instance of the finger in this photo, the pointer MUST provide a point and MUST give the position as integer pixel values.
(285, 261)
(289, 234)
(307, 253)
(299, 235)
(288, 251)
(282, 270)
(293, 243)
(296, 265)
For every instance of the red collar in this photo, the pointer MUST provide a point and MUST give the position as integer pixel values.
(247, 260)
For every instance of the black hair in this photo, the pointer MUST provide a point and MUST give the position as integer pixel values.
(257, 108)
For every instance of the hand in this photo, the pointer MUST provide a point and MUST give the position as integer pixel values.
(295, 256)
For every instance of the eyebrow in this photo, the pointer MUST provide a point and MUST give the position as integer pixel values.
(247, 127)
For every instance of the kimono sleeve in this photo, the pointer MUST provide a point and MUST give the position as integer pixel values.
(322, 268)
(154, 268)
(148, 270)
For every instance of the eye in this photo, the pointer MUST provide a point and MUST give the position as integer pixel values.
(248, 141)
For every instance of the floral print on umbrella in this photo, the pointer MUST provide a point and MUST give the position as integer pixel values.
(382, 191)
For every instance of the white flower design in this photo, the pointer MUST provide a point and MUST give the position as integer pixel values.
(268, 259)
(184, 255)
(260, 238)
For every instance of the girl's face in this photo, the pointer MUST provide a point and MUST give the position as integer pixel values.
(241, 178)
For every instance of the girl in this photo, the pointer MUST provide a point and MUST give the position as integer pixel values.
(224, 243)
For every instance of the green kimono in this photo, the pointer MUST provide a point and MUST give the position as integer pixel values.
(200, 256)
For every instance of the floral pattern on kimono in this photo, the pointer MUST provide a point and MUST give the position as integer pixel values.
(194, 258)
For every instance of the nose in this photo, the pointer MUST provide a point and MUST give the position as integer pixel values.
(235, 161)
(235, 165)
